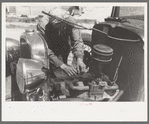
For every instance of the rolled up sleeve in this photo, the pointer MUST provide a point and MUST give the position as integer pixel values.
(76, 41)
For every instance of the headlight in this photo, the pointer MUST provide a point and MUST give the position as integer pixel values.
(29, 74)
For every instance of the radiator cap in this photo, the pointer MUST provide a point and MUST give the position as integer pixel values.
(29, 31)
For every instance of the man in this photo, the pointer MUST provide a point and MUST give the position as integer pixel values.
(61, 38)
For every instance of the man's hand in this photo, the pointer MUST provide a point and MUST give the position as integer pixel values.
(81, 67)
(69, 70)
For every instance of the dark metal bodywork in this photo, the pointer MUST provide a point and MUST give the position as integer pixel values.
(127, 42)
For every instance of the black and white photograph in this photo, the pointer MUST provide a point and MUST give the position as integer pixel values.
(74, 54)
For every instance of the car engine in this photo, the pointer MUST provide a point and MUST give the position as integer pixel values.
(35, 81)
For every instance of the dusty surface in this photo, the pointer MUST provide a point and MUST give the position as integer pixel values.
(14, 33)
(8, 88)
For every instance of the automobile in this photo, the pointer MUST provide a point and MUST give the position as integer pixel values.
(114, 55)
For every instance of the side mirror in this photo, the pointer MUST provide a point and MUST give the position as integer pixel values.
(29, 75)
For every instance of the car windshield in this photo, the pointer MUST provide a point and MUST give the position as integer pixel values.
(135, 15)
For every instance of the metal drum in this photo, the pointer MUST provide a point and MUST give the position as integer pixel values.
(102, 53)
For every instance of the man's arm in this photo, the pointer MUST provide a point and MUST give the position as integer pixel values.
(76, 40)
(78, 49)
(77, 43)
(53, 59)
(78, 46)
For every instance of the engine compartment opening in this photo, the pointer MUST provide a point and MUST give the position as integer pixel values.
(128, 55)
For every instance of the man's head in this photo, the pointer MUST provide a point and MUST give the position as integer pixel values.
(60, 13)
